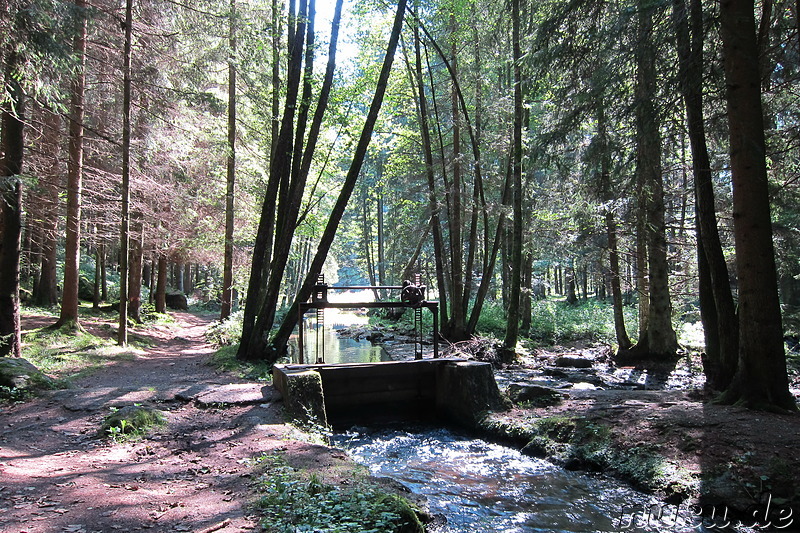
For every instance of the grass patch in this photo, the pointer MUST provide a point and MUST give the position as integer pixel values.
(293, 501)
(224, 359)
(131, 422)
(69, 354)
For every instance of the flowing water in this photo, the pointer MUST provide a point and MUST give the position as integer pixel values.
(483, 487)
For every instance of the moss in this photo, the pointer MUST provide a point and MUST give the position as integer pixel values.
(293, 500)
(132, 421)
(305, 401)
(580, 444)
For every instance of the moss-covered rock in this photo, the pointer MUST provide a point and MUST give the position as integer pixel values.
(19, 373)
(537, 395)
(131, 421)
(577, 443)
(305, 400)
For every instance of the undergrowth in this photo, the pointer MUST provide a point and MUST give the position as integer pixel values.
(555, 321)
(293, 501)
(226, 332)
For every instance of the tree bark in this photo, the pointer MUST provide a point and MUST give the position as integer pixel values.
(12, 120)
(512, 328)
(161, 283)
(717, 309)
(299, 174)
(253, 333)
(72, 247)
(623, 341)
(124, 233)
(761, 379)
(135, 269)
(45, 293)
(278, 345)
(659, 339)
(433, 202)
(97, 274)
(227, 272)
(455, 329)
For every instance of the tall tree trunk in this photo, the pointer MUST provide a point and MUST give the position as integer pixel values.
(124, 233)
(135, 269)
(103, 276)
(278, 345)
(571, 298)
(253, 341)
(512, 328)
(488, 273)
(97, 274)
(161, 283)
(72, 247)
(761, 380)
(717, 309)
(433, 202)
(188, 282)
(12, 120)
(227, 272)
(659, 339)
(526, 304)
(254, 347)
(623, 341)
(366, 236)
(456, 328)
(46, 291)
(381, 250)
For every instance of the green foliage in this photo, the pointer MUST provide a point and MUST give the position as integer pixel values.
(492, 321)
(151, 317)
(224, 359)
(13, 394)
(131, 422)
(226, 332)
(555, 321)
(293, 502)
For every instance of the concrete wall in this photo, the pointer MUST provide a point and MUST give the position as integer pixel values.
(454, 390)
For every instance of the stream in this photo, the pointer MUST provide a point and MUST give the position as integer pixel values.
(478, 486)
(483, 487)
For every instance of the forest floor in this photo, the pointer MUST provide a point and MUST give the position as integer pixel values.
(198, 472)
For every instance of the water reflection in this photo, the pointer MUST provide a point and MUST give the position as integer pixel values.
(323, 343)
(479, 486)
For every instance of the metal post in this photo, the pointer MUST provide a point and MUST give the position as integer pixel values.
(300, 333)
(435, 311)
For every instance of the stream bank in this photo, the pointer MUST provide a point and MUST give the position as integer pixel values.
(655, 428)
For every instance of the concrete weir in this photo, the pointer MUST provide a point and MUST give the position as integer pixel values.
(454, 390)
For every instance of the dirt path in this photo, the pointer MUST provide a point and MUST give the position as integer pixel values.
(193, 475)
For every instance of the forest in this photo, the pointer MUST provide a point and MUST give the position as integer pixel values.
(641, 154)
